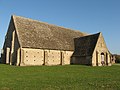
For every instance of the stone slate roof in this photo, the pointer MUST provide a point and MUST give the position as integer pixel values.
(84, 46)
(35, 34)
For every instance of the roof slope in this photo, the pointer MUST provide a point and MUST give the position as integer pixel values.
(35, 34)
(84, 46)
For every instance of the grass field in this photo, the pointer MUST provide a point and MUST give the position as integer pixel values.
(69, 77)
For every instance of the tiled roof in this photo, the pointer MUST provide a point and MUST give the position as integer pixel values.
(84, 46)
(35, 34)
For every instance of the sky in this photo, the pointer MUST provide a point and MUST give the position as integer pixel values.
(89, 16)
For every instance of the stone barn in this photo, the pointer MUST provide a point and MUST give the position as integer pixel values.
(30, 42)
(91, 50)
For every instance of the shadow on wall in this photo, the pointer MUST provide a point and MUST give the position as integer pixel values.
(76, 61)
(72, 60)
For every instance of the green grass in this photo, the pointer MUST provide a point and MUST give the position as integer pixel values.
(69, 77)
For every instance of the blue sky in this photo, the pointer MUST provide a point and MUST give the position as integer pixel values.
(88, 16)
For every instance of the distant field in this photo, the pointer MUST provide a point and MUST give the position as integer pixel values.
(69, 77)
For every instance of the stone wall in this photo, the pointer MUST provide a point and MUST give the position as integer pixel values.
(100, 48)
(31, 56)
(15, 47)
(11, 45)
(10, 52)
(7, 43)
(83, 60)
(66, 55)
(52, 57)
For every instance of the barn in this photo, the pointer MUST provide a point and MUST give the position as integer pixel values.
(31, 42)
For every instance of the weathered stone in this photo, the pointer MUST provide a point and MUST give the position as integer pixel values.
(30, 42)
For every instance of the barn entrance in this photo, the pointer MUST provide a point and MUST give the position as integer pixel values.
(102, 59)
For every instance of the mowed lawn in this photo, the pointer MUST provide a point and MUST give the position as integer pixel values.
(68, 77)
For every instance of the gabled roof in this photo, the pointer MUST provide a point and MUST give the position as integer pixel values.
(35, 34)
(84, 46)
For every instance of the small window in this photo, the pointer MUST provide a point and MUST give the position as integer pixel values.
(34, 60)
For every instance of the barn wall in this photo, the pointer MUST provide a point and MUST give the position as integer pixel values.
(32, 57)
(84, 60)
(67, 57)
(16, 46)
(44, 57)
(78, 60)
(100, 48)
(7, 44)
(52, 57)
(11, 45)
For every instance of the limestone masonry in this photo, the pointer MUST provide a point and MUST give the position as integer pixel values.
(30, 42)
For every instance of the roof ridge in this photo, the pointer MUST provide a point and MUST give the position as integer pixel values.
(36, 34)
(16, 29)
(91, 35)
(14, 16)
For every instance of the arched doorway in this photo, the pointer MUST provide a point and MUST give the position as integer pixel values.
(102, 59)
